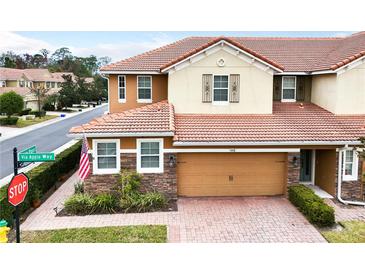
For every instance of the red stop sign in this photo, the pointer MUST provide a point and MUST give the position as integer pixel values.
(18, 189)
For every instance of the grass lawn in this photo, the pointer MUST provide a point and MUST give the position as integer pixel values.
(22, 123)
(353, 232)
(117, 234)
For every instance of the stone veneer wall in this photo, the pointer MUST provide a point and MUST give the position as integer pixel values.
(293, 169)
(350, 190)
(161, 182)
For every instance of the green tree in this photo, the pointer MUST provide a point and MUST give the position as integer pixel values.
(41, 93)
(68, 94)
(10, 103)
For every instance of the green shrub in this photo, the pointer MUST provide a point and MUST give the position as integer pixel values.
(48, 107)
(142, 202)
(25, 111)
(40, 113)
(129, 182)
(8, 121)
(80, 204)
(106, 203)
(10, 103)
(79, 188)
(43, 178)
(311, 205)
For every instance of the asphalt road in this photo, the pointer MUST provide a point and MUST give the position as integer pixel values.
(46, 138)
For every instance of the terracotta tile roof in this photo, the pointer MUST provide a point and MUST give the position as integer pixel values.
(293, 54)
(158, 117)
(38, 74)
(290, 122)
(19, 90)
(11, 74)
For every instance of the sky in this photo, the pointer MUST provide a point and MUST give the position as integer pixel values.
(119, 45)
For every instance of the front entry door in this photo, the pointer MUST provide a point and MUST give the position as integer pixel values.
(306, 165)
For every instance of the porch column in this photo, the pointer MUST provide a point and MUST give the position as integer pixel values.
(293, 167)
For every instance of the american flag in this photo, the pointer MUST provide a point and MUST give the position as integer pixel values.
(84, 168)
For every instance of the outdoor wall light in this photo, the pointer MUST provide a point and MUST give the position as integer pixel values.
(295, 161)
(172, 161)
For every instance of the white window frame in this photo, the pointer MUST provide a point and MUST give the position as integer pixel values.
(48, 84)
(221, 103)
(2, 83)
(100, 171)
(160, 169)
(295, 89)
(355, 166)
(122, 100)
(144, 100)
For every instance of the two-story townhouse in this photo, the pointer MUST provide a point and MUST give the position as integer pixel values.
(23, 80)
(234, 116)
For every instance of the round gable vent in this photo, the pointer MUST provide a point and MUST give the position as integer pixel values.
(221, 62)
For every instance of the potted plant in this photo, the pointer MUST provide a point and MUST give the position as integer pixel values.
(36, 198)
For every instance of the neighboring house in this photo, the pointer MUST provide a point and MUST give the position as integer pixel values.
(238, 116)
(22, 80)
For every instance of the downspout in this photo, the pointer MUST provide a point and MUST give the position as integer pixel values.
(107, 78)
(339, 185)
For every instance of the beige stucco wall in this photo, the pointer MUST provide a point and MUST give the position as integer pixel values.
(342, 93)
(324, 91)
(256, 86)
(351, 91)
(11, 83)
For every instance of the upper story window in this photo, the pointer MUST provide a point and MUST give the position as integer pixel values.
(2, 84)
(144, 89)
(22, 83)
(150, 155)
(350, 165)
(53, 84)
(220, 89)
(48, 84)
(288, 93)
(122, 88)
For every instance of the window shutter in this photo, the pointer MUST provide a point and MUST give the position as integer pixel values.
(207, 88)
(234, 88)
(277, 88)
(300, 88)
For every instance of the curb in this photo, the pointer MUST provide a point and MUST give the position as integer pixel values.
(51, 122)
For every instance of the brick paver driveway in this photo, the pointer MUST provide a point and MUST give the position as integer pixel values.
(222, 220)
(250, 219)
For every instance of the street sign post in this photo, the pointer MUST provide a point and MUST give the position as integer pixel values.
(18, 187)
(36, 157)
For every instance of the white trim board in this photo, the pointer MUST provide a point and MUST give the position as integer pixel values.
(222, 44)
(288, 143)
(230, 150)
(122, 134)
(130, 72)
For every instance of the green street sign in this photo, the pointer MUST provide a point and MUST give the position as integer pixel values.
(36, 157)
(32, 149)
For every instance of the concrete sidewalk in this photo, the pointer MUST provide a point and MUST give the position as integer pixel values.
(10, 132)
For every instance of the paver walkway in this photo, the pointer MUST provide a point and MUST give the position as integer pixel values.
(254, 219)
(347, 213)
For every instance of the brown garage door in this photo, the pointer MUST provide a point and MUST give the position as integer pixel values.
(231, 174)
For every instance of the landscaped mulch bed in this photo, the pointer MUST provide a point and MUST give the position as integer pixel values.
(171, 206)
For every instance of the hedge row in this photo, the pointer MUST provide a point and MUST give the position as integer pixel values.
(311, 205)
(43, 178)
(8, 121)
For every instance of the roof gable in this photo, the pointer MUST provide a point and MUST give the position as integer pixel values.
(229, 46)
